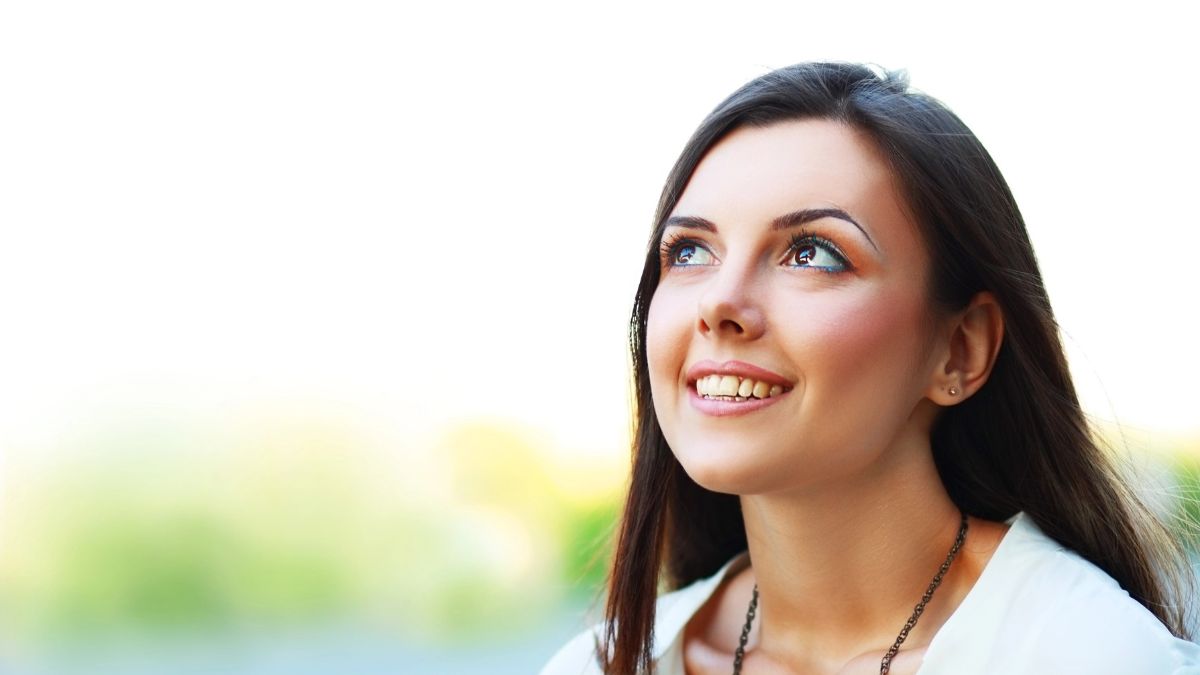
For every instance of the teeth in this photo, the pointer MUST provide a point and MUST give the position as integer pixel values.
(714, 384)
(729, 386)
(738, 389)
(745, 388)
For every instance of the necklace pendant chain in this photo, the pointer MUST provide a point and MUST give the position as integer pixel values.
(886, 664)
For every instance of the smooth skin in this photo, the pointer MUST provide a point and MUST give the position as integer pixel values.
(846, 517)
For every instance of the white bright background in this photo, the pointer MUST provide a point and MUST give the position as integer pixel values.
(425, 213)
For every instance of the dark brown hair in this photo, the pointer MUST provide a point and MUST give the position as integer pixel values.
(1021, 443)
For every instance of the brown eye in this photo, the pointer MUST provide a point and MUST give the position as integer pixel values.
(816, 253)
(805, 254)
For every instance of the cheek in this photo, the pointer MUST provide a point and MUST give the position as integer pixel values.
(864, 339)
(666, 332)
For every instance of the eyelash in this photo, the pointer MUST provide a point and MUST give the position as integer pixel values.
(671, 244)
(801, 238)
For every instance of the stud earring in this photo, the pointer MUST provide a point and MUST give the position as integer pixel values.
(953, 390)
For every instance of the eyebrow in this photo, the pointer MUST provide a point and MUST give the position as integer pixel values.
(784, 222)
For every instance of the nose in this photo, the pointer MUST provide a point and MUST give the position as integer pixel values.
(728, 307)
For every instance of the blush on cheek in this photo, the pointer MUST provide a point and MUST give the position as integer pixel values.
(850, 338)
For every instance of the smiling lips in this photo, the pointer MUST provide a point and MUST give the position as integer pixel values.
(733, 387)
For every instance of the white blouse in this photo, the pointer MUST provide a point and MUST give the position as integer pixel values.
(1036, 609)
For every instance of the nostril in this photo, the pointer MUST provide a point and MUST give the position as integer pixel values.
(730, 319)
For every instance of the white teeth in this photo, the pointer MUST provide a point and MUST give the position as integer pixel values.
(714, 384)
(745, 388)
(729, 386)
(739, 389)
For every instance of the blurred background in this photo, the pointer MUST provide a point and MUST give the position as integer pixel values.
(314, 313)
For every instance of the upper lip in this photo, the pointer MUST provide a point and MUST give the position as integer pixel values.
(705, 368)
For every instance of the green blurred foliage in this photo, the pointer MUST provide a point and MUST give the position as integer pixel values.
(1186, 518)
(587, 541)
(284, 522)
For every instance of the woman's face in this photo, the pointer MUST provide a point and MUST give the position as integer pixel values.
(790, 339)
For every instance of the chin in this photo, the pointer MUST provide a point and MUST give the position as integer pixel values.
(723, 472)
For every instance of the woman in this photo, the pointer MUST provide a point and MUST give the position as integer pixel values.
(854, 409)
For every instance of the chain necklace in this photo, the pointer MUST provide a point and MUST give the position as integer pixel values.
(885, 665)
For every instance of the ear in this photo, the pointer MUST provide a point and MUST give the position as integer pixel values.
(972, 341)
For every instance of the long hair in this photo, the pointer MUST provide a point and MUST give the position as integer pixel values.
(1021, 443)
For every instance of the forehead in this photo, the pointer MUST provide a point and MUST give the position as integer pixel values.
(758, 173)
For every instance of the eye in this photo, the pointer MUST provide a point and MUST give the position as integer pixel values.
(680, 252)
(816, 252)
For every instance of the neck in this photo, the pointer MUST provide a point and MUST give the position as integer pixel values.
(840, 567)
